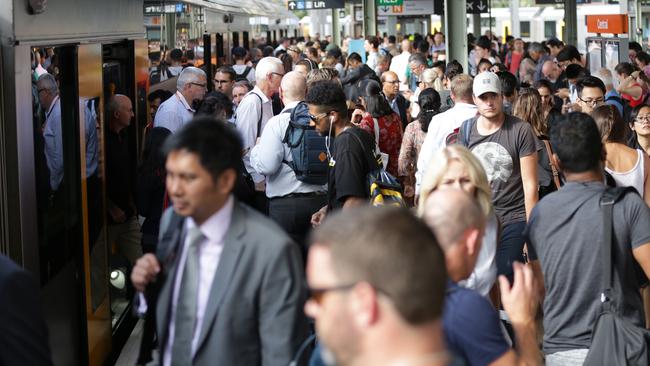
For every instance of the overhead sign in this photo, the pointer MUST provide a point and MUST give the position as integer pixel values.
(410, 7)
(477, 6)
(390, 2)
(315, 4)
(607, 23)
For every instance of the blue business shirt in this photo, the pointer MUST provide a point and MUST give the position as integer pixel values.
(54, 143)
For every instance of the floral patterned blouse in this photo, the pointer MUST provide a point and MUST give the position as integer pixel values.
(390, 136)
(408, 155)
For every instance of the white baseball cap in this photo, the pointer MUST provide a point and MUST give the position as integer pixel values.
(486, 82)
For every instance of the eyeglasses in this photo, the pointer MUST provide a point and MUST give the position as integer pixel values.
(593, 101)
(277, 73)
(317, 117)
(40, 90)
(317, 294)
(221, 81)
(392, 81)
(201, 85)
(642, 119)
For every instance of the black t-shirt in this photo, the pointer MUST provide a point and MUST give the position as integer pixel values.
(349, 167)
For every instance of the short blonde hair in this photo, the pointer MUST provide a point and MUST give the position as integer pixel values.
(439, 166)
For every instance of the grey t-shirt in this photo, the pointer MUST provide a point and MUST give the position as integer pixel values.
(565, 229)
(499, 154)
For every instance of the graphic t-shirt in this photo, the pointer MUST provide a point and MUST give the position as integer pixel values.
(499, 153)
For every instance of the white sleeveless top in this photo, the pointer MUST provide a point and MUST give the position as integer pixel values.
(632, 178)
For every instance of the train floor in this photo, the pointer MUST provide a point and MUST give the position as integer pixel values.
(129, 354)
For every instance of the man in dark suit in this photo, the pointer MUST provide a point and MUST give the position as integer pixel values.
(231, 282)
(23, 332)
(398, 103)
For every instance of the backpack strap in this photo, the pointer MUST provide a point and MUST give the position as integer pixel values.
(554, 169)
(465, 131)
(259, 121)
(607, 200)
(375, 129)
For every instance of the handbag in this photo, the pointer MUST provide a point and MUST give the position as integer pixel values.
(614, 339)
(384, 189)
(384, 156)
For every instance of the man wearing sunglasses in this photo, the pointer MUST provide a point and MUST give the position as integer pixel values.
(350, 155)
(377, 281)
(178, 110)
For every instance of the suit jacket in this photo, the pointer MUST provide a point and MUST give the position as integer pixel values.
(23, 332)
(403, 105)
(254, 314)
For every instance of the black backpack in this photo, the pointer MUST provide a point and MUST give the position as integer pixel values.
(244, 75)
(308, 151)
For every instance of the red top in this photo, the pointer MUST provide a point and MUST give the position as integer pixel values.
(515, 60)
(633, 102)
(390, 136)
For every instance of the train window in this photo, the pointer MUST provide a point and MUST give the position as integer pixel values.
(56, 159)
(549, 28)
(246, 41)
(235, 39)
(524, 29)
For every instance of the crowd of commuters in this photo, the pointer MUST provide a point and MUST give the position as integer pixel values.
(269, 235)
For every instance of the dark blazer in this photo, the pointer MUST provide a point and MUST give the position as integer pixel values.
(23, 332)
(254, 315)
(403, 105)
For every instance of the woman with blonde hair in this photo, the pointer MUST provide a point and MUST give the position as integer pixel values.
(456, 167)
(528, 107)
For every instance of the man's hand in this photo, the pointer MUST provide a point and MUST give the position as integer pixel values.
(117, 214)
(521, 301)
(145, 271)
(317, 218)
(563, 93)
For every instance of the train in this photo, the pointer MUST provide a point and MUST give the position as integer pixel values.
(94, 49)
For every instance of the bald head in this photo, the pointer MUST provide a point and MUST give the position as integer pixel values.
(293, 87)
(450, 212)
(406, 45)
(550, 70)
(119, 111)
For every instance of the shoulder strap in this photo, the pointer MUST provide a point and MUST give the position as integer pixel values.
(259, 122)
(556, 174)
(466, 131)
(607, 200)
(363, 147)
(376, 130)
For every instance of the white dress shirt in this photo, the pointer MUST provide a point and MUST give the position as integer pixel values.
(372, 61)
(440, 127)
(267, 157)
(214, 229)
(398, 65)
(174, 113)
(54, 143)
(248, 114)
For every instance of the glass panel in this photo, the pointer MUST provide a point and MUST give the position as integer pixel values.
(612, 54)
(549, 29)
(524, 29)
(595, 52)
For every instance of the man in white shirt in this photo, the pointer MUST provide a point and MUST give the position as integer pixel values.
(443, 124)
(291, 202)
(229, 283)
(400, 63)
(372, 47)
(244, 70)
(178, 110)
(254, 111)
(48, 94)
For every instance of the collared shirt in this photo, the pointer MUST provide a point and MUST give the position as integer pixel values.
(440, 127)
(214, 229)
(267, 159)
(54, 143)
(393, 104)
(174, 113)
(248, 114)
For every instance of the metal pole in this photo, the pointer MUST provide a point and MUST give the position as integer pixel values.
(571, 22)
(336, 27)
(369, 18)
(476, 24)
(514, 10)
(456, 31)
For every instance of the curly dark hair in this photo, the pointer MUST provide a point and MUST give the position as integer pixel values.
(329, 94)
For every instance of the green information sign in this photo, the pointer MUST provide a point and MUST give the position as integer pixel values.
(390, 2)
